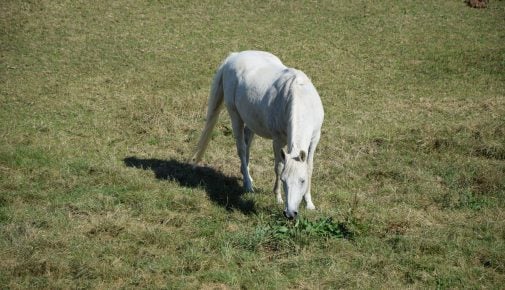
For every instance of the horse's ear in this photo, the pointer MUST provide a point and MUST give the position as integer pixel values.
(303, 156)
(284, 155)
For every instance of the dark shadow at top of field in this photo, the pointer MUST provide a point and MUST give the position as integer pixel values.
(223, 190)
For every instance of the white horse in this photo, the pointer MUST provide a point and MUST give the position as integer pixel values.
(265, 97)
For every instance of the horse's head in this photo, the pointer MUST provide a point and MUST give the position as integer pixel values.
(295, 179)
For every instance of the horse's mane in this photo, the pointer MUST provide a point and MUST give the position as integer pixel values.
(290, 83)
(286, 91)
(291, 80)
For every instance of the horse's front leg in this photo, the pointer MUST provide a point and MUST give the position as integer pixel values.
(307, 196)
(310, 161)
(242, 150)
(278, 167)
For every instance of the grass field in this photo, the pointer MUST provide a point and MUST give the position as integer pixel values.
(101, 103)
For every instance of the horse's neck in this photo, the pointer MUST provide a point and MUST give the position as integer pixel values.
(299, 134)
(302, 112)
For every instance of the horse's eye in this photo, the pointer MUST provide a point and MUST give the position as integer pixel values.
(302, 181)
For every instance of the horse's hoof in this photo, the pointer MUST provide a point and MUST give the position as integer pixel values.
(311, 207)
(249, 190)
(278, 197)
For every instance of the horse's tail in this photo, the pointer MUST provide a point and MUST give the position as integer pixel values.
(214, 108)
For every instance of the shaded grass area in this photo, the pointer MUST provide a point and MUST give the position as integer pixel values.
(223, 190)
(101, 101)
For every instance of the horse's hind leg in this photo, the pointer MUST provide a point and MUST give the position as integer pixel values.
(248, 138)
(242, 148)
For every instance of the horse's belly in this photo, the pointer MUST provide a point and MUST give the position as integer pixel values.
(261, 132)
(255, 121)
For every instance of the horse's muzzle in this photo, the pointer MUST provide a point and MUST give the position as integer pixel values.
(290, 214)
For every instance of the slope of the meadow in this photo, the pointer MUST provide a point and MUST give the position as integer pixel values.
(102, 102)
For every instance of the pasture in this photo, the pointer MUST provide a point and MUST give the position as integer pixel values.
(102, 102)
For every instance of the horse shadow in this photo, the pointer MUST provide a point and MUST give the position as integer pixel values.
(223, 190)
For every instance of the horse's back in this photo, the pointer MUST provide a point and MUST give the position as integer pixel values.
(253, 82)
(252, 59)
(254, 68)
(248, 77)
